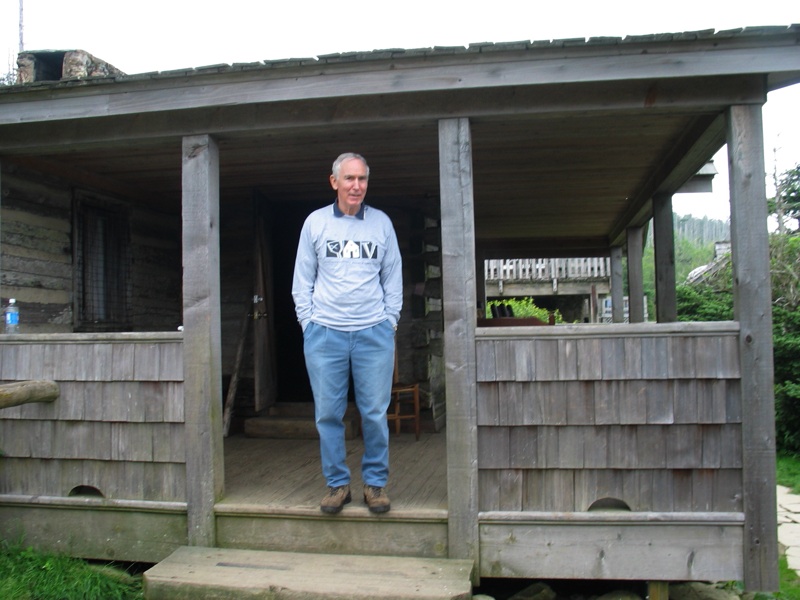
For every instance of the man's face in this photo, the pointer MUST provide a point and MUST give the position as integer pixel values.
(351, 185)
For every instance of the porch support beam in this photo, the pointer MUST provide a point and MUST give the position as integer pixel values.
(201, 336)
(752, 295)
(459, 303)
(617, 293)
(480, 274)
(664, 244)
(635, 275)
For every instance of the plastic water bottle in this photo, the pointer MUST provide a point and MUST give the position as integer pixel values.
(12, 316)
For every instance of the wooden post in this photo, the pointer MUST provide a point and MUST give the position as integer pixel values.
(201, 336)
(480, 283)
(459, 300)
(22, 392)
(617, 293)
(664, 245)
(753, 309)
(658, 590)
(635, 275)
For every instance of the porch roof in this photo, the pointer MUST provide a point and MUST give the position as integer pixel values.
(571, 138)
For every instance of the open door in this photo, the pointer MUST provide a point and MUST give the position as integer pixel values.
(264, 364)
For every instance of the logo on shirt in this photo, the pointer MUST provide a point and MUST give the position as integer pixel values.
(351, 249)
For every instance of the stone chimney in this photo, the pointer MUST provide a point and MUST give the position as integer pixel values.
(55, 65)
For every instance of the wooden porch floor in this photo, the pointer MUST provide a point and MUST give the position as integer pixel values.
(286, 474)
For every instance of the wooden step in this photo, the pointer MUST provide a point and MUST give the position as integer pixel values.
(302, 409)
(219, 573)
(302, 428)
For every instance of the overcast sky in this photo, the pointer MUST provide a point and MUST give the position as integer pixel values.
(149, 35)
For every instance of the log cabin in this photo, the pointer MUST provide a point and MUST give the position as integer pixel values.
(149, 224)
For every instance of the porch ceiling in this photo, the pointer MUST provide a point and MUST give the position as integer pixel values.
(561, 184)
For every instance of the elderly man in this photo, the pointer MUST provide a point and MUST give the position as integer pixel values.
(348, 291)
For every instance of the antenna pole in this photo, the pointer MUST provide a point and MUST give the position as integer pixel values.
(21, 42)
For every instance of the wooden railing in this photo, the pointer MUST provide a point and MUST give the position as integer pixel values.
(547, 269)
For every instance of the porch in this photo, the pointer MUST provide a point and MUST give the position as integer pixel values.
(273, 488)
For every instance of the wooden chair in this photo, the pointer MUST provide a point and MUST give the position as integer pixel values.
(403, 394)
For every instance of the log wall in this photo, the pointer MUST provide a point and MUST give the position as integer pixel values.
(36, 265)
(117, 427)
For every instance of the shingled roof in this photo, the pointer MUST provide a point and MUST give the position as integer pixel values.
(99, 69)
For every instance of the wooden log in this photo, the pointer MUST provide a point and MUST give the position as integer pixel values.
(23, 392)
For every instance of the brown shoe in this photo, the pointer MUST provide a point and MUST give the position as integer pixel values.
(335, 499)
(376, 499)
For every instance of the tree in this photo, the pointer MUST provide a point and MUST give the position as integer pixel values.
(712, 300)
(786, 203)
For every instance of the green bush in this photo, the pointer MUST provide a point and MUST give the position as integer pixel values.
(524, 307)
(712, 300)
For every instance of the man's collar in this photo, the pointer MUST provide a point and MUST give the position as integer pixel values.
(337, 212)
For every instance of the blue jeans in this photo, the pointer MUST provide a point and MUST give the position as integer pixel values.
(331, 356)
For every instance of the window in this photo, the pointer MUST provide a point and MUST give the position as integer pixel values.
(102, 267)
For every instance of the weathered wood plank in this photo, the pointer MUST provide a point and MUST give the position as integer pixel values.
(554, 403)
(753, 309)
(488, 409)
(459, 302)
(660, 402)
(567, 360)
(202, 338)
(589, 359)
(606, 405)
(684, 447)
(664, 247)
(632, 398)
(579, 401)
(688, 552)
(485, 361)
(635, 238)
(655, 358)
(512, 401)
(118, 534)
(651, 446)
(612, 357)
(547, 447)
(122, 356)
(570, 447)
(505, 360)
(623, 447)
(547, 360)
(523, 447)
(532, 398)
(595, 447)
(685, 401)
(493, 448)
(146, 362)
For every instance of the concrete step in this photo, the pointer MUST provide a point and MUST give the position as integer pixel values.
(221, 574)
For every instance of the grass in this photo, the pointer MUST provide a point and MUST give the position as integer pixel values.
(788, 472)
(788, 475)
(26, 574)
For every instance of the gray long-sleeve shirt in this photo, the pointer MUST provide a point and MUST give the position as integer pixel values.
(348, 271)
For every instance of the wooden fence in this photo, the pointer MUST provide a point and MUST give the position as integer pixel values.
(547, 269)
(117, 429)
(642, 420)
